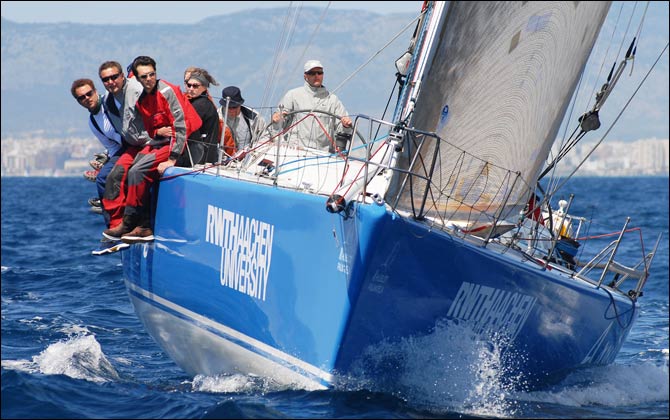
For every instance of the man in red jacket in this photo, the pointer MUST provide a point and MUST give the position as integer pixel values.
(169, 119)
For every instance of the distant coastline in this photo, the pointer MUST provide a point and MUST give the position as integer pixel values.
(38, 155)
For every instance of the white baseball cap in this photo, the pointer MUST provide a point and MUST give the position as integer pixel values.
(312, 64)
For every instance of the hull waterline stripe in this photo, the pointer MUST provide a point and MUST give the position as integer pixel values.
(231, 334)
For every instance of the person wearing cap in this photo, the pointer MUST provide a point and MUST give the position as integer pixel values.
(312, 96)
(246, 124)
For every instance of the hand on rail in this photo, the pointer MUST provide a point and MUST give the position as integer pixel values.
(278, 116)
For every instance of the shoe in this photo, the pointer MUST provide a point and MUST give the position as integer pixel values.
(97, 210)
(91, 175)
(94, 202)
(96, 164)
(110, 248)
(139, 234)
(104, 157)
(115, 233)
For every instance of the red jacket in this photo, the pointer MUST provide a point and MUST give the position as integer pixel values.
(166, 106)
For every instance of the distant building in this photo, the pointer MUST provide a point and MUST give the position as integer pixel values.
(37, 155)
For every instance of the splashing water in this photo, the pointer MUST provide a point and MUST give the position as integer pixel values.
(451, 368)
(78, 357)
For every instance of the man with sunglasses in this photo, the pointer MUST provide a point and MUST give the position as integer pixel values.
(169, 119)
(84, 92)
(121, 101)
(312, 97)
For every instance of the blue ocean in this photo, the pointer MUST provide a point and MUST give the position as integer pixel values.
(72, 346)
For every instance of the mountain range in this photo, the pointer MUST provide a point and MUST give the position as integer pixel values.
(40, 61)
(262, 51)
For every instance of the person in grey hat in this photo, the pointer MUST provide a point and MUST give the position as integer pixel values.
(312, 96)
(246, 124)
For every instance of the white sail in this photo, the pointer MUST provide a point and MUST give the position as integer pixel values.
(495, 86)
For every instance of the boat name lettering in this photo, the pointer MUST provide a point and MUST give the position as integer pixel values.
(246, 250)
(490, 309)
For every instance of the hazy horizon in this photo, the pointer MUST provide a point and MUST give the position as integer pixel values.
(649, 109)
(128, 12)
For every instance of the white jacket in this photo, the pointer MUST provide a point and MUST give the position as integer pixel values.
(308, 132)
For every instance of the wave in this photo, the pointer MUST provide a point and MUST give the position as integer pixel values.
(79, 357)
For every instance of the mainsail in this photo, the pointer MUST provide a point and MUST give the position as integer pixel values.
(493, 82)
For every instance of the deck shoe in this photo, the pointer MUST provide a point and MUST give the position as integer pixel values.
(102, 157)
(96, 164)
(139, 234)
(97, 210)
(94, 202)
(115, 233)
(91, 175)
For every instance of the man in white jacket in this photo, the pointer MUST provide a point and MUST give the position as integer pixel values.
(313, 98)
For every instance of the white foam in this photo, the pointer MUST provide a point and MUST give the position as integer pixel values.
(235, 384)
(612, 386)
(449, 369)
(74, 330)
(78, 357)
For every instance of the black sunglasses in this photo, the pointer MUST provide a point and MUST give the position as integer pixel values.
(148, 75)
(112, 77)
(193, 85)
(85, 95)
(312, 73)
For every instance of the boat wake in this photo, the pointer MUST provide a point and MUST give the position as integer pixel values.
(610, 386)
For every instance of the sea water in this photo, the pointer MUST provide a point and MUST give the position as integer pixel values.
(72, 346)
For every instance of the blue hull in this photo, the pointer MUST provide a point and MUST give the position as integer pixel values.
(255, 279)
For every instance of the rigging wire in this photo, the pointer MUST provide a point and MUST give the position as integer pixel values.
(602, 64)
(299, 61)
(281, 54)
(637, 36)
(362, 66)
(615, 120)
(606, 89)
(283, 42)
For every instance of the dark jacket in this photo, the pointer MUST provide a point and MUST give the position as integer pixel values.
(203, 142)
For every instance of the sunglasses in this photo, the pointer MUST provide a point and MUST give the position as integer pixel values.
(148, 75)
(312, 73)
(193, 85)
(112, 77)
(85, 95)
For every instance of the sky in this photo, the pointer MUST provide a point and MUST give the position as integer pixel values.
(169, 11)
(651, 103)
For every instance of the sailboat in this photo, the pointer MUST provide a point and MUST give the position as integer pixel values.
(296, 264)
